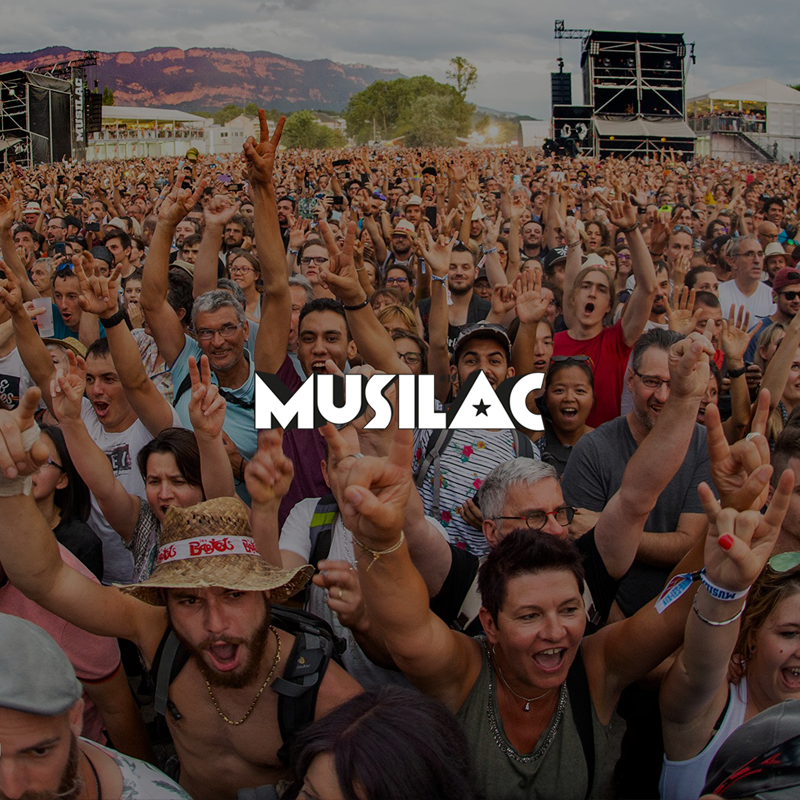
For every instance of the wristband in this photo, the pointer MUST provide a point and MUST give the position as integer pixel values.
(573, 244)
(442, 279)
(629, 230)
(22, 484)
(718, 593)
(714, 623)
(114, 319)
(491, 250)
(737, 373)
(676, 588)
(294, 253)
(358, 306)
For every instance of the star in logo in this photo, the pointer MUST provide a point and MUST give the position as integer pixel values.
(481, 408)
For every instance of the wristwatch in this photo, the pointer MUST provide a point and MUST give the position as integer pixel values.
(120, 316)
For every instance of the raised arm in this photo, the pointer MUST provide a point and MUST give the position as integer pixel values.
(777, 371)
(99, 296)
(734, 341)
(531, 308)
(29, 551)
(619, 528)
(9, 252)
(437, 660)
(161, 317)
(572, 266)
(273, 339)
(217, 214)
(514, 257)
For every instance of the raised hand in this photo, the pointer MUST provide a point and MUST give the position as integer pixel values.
(531, 306)
(269, 473)
(436, 253)
(503, 300)
(620, 211)
(341, 277)
(739, 543)
(98, 294)
(7, 211)
(682, 314)
(571, 230)
(740, 472)
(689, 366)
(344, 592)
(10, 289)
(14, 459)
(491, 230)
(66, 389)
(297, 233)
(179, 202)
(260, 156)
(220, 211)
(376, 490)
(734, 338)
(207, 405)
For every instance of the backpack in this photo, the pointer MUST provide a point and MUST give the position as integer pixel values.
(439, 439)
(314, 646)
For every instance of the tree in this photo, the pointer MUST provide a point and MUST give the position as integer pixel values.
(303, 131)
(464, 73)
(108, 97)
(384, 109)
(251, 109)
(231, 111)
(429, 123)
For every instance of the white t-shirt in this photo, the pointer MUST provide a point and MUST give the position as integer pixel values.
(15, 380)
(122, 449)
(295, 537)
(759, 304)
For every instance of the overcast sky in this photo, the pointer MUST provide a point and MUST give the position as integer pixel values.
(510, 41)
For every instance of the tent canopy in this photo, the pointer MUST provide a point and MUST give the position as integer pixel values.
(763, 90)
(643, 128)
(130, 114)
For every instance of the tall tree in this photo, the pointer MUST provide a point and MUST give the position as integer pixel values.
(108, 97)
(303, 131)
(464, 73)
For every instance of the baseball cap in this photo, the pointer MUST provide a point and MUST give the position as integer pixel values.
(787, 276)
(102, 253)
(761, 758)
(483, 330)
(556, 255)
(179, 263)
(35, 674)
(594, 260)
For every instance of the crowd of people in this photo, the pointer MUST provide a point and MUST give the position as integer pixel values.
(606, 605)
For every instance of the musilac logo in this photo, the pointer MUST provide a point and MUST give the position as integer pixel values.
(331, 398)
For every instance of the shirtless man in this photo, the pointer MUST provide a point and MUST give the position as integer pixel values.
(226, 734)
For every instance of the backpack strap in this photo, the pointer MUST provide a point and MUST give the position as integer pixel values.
(438, 440)
(581, 705)
(523, 445)
(186, 385)
(299, 685)
(170, 659)
(320, 529)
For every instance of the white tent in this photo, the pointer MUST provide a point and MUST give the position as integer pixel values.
(128, 114)
(762, 90)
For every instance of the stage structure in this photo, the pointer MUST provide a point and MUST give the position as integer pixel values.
(634, 83)
(47, 114)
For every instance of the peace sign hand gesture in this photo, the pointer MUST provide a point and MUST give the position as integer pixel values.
(260, 155)
(207, 405)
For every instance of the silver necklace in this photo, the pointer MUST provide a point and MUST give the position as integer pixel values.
(500, 740)
(528, 700)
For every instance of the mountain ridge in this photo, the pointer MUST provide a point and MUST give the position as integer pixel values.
(209, 78)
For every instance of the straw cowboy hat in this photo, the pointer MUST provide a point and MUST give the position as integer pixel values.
(209, 545)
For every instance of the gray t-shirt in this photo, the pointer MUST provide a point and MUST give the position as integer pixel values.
(594, 474)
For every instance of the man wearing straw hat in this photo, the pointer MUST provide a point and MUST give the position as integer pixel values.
(210, 586)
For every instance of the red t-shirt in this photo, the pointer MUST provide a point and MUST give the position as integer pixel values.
(609, 355)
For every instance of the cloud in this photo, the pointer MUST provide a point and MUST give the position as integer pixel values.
(510, 41)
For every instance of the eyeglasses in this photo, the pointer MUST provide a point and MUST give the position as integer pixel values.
(683, 229)
(390, 281)
(240, 270)
(51, 463)
(783, 562)
(379, 196)
(410, 358)
(651, 381)
(536, 520)
(789, 295)
(317, 260)
(750, 255)
(622, 257)
(226, 331)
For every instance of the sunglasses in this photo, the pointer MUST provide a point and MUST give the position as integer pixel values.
(682, 229)
(783, 562)
(790, 295)
(572, 359)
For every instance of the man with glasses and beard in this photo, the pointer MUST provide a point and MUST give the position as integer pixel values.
(42, 756)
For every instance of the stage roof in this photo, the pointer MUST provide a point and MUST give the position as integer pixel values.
(763, 90)
(113, 114)
(641, 128)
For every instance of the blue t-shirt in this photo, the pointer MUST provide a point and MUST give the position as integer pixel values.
(240, 421)
(61, 331)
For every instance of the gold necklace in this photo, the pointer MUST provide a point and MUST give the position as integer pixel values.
(275, 662)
